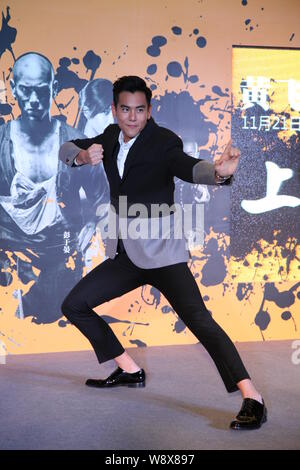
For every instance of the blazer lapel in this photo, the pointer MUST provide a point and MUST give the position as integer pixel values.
(111, 152)
(111, 144)
(115, 152)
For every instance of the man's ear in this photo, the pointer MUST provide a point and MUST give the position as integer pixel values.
(13, 88)
(55, 88)
(149, 111)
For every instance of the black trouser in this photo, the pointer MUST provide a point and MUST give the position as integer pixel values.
(113, 278)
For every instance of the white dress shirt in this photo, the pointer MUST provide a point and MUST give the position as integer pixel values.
(123, 152)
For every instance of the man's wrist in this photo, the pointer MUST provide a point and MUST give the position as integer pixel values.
(221, 179)
(76, 162)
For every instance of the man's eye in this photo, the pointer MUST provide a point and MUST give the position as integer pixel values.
(43, 91)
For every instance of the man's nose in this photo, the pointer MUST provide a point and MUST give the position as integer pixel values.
(132, 115)
(33, 98)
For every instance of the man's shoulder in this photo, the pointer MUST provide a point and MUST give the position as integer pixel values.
(111, 130)
(164, 132)
(70, 132)
(167, 136)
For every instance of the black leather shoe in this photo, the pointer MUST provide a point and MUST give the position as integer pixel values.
(120, 378)
(251, 416)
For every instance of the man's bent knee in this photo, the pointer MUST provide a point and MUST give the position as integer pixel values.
(67, 307)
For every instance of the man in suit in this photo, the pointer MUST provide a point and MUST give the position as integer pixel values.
(141, 160)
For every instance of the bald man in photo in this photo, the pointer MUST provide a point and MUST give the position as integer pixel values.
(37, 218)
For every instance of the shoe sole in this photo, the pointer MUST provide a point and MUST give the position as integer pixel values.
(133, 385)
(244, 428)
(138, 385)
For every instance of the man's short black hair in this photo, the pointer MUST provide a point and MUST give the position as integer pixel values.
(131, 83)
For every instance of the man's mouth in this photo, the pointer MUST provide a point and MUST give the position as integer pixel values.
(34, 111)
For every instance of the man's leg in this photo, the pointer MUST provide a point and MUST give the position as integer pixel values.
(178, 285)
(180, 289)
(109, 280)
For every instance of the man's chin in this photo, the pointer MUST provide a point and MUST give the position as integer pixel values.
(132, 133)
(34, 117)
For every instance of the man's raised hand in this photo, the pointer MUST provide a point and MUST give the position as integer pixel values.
(92, 156)
(227, 163)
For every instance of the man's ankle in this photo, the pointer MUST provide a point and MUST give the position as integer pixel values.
(255, 396)
(134, 371)
(131, 370)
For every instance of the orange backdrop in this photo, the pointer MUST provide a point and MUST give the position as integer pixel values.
(120, 32)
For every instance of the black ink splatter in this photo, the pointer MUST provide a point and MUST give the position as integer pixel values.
(281, 299)
(176, 30)
(157, 43)
(286, 315)
(66, 78)
(179, 112)
(244, 291)
(166, 309)
(210, 275)
(155, 296)
(7, 34)
(174, 69)
(179, 326)
(201, 42)
(5, 109)
(138, 343)
(262, 319)
(217, 90)
(152, 69)
(92, 62)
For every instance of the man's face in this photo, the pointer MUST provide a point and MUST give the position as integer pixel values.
(33, 89)
(132, 113)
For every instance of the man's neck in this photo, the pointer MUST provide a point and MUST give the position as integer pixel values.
(126, 140)
(37, 131)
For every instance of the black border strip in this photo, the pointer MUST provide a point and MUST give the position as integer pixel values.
(267, 47)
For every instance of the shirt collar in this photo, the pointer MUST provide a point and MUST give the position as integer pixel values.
(127, 144)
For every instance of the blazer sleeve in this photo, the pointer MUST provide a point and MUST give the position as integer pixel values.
(69, 150)
(190, 169)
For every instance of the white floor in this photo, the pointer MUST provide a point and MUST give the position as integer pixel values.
(45, 404)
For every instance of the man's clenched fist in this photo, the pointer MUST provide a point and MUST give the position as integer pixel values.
(92, 156)
(227, 163)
